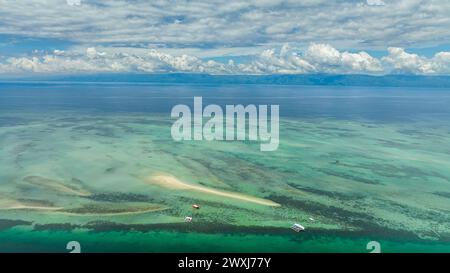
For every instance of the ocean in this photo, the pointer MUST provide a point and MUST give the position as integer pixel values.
(95, 163)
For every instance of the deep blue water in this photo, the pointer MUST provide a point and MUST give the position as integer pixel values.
(375, 104)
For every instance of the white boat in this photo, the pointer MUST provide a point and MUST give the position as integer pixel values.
(297, 227)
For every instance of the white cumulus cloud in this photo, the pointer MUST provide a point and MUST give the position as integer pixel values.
(316, 58)
(403, 62)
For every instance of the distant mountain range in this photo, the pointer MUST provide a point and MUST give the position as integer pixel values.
(315, 79)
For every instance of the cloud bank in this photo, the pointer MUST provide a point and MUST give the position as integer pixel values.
(367, 24)
(316, 58)
(225, 36)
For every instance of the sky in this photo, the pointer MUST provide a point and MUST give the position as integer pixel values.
(225, 37)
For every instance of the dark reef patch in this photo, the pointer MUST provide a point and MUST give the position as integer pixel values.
(120, 197)
(98, 130)
(6, 224)
(350, 177)
(200, 227)
(55, 227)
(367, 224)
(330, 194)
(36, 202)
(13, 121)
(442, 194)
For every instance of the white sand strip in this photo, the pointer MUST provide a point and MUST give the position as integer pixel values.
(171, 182)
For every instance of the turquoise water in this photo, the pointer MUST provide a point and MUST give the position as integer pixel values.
(82, 162)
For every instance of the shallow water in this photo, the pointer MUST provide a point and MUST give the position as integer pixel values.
(364, 163)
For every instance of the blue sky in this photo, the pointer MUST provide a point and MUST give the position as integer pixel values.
(225, 37)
